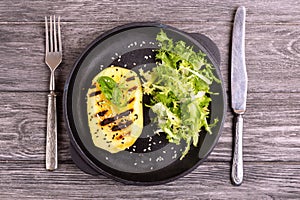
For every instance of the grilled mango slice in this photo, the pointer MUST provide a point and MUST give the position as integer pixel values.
(114, 128)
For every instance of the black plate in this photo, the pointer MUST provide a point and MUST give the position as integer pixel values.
(151, 160)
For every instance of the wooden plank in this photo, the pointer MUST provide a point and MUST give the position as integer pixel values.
(173, 11)
(274, 60)
(271, 128)
(211, 180)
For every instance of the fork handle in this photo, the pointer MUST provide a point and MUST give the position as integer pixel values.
(51, 141)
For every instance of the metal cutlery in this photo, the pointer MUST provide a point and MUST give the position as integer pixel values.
(239, 84)
(53, 58)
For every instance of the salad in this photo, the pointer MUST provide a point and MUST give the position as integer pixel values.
(179, 88)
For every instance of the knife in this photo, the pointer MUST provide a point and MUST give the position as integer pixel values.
(239, 84)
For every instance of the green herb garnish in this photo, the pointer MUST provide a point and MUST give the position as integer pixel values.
(111, 90)
(179, 86)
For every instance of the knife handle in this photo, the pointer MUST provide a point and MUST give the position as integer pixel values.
(237, 164)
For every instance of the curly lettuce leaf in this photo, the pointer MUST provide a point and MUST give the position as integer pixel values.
(179, 86)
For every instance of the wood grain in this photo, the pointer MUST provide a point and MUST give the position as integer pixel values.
(266, 47)
(129, 10)
(267, 136)
(27, 180)
(271, 129)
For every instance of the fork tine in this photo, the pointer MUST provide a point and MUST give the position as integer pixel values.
(47, 37)
(51, 35)
(59, 35)
(55, 36)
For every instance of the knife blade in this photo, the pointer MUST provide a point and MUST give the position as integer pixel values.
(239, 84)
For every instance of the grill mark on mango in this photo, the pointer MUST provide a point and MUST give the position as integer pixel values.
(101, 113)
(130, 78)
(95, 93)
(132, 89)
(118, 116)
(121, 125)
(131, 100)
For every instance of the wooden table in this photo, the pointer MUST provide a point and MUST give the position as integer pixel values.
(271, 129)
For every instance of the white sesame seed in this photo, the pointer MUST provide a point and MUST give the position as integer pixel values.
(143, 42)
(134, 63)
(116, 54)
(135, 43)
(119, 60)
(150, 56)
(151, 168)
(172, 148)
(146, 57)
(106, 158)
(144, 150)
(112, 58)
(125, 65)
(164, 152)
(159, 159)
(159, 142)
(149, 148)
(135, 163)
(150, 159)
(141, 45)
(142, 161)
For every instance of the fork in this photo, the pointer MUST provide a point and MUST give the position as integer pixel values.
(53, 58)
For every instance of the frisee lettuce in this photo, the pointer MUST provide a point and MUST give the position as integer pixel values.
(179, 87)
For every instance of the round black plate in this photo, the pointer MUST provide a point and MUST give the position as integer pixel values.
(151, 160)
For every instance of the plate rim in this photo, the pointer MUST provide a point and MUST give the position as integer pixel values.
(76, 66)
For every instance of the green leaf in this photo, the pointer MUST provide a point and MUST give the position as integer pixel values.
(179, 86)
(111, 90)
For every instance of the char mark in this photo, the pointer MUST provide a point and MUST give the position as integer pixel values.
(102, 113)
(120, 137)
(132, 89)
(93, 86)
(112, 119)
(121, 125)
(95, 93)
(130, 100)
(130, 78)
